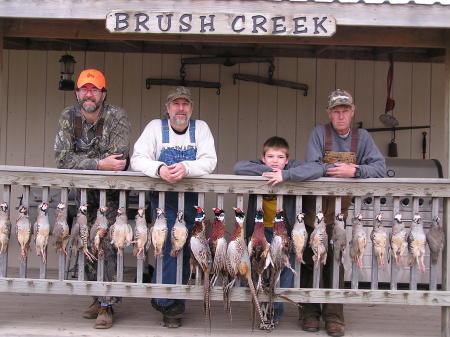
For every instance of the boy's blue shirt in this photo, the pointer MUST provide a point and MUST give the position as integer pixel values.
(293, 171)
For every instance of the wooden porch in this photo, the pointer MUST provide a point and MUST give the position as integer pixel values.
(411, 311)
(61, 316)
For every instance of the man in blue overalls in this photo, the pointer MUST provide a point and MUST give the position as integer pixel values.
(172, 149)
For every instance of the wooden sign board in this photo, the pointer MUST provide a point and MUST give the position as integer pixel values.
(220, 23)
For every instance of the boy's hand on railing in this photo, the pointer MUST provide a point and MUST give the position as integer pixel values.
(112, 163)
(172, 173)
(342, 170)
(275, 177)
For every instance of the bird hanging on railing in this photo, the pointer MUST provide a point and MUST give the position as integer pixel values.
(416, 243)
(318, 240)
(120, 232)
(5, 227)
(41, 230)
(379, 239)
(299, 237)
(61, 229)
(339, 238)
(159, 232)
(179, 234)
(435, 239)
(398, 239)
(142, 239)
(280, 249)
(359, 241)
(259, 251)
(23, 231)
(218, 246)
(238, 263)
(79, 235)
(99, 232)
(201, 257)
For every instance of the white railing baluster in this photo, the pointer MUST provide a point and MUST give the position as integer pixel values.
(336, 264)
(355, 267)
(140, 261)
(394, 267)
(181, 252)
(317, 266)
(4, 255)
(101, 260)
(298, 265)
(374, 273)
(434, 267)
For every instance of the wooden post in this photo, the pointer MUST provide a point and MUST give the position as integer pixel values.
(220, 197)
(355, 268)
(445, 311)
(140, 261)
(336, 264)
(122, 203)
(61, 255)
(180, 253)
(317, 266)
(4, 256)
(394, 268)
(374, 275)
(298, 265)
(83, 200)
(198, 271)
(42, 264)
(434, 267)
(25, 202)
(101, 260)
(159, 260)
(413, 268)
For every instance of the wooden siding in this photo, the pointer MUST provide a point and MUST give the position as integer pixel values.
(241, 117)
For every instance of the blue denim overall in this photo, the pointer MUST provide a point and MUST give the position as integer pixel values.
(169, 156)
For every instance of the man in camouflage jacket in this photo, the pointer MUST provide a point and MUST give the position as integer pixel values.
(94, 135)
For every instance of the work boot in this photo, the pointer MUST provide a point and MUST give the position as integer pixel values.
(92, 311)
(311, 324)
(334, 329)
(105, 318)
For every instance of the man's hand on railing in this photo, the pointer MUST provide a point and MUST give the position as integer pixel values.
(342, 170)
(275, 177)
(172, 173)
(112, 163)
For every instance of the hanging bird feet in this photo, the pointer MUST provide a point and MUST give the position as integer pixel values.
(89, 255)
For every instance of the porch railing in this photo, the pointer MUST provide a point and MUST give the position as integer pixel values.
(223, 189)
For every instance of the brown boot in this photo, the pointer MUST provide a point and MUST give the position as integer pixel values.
(105, 318)
(92, 311)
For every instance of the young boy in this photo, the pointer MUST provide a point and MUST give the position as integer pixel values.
(275, 165)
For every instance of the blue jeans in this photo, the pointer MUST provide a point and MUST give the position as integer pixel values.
(286, 277)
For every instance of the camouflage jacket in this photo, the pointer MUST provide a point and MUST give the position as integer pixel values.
(84, 153)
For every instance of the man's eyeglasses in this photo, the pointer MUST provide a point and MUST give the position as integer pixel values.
(93, 91)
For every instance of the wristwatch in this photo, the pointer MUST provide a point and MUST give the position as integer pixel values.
(357, 172)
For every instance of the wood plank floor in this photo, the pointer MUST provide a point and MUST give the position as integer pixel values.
(39, 315)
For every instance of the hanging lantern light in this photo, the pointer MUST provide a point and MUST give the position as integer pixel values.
(67, 69)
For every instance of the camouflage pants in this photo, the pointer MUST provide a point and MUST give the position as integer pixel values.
(110, 259)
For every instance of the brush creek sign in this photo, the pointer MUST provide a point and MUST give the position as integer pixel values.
(220, 23)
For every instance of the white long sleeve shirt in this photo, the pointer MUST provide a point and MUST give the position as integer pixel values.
(147, 149)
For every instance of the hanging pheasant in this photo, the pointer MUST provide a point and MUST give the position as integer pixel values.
(61, 229)
(5, 227)
(23, 231)
(41, 231)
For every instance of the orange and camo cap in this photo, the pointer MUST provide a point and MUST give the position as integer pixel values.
(92, 76)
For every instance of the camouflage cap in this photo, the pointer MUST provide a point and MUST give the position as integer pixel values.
(339, 97)
(179, 92)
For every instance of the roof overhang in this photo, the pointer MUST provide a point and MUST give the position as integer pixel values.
(346, 14)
